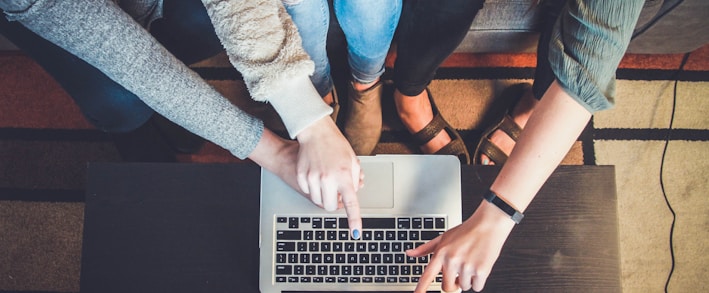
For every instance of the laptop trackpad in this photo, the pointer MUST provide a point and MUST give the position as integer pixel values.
(378, 190)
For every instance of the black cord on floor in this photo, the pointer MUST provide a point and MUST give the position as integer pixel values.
(662, 165)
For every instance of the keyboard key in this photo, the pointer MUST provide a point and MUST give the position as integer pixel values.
(317, 279)
(310, 270)
(378, 223)
(390, 235)
(379, 279)
(317, 223)
(322, 270)
(298, 269)
(399, 258)
(349, 247)
(354, 279)
(392, 279)
(367, 279)
(361, 246)
(292, 258)
(284, 270)
(393, 270)
(280, 279)
(308, 235)
(280, 258)
(416, 223)
(305, 219)
(281, 220)
(440, 223)
(293, 222)
(429, 235)
(330, 279)
(320, 235)
(305, 279)
(414, 235)
(403, 223)
(288, 235)
(293, 279)
(328, 258)
(367, 235)
(428, 223)
(331, 235)
(330, 223)
(325, 246)
(363, 258)
(285, 246)
(397, 247)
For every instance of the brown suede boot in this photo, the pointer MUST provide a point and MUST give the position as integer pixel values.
(363, 124)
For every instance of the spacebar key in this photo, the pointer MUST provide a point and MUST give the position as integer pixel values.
(372, 223)
(379, 223)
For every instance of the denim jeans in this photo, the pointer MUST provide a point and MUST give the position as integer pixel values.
(429, 31)
(185, 30)
(368, 26)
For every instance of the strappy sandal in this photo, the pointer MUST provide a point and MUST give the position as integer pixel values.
(506, 124)
(455, 147)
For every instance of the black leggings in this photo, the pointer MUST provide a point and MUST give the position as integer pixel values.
(428, 32)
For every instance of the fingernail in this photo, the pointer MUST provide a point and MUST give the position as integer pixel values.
(355, 234)
(486, 161)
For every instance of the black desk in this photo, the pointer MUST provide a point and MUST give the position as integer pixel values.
(194, 228)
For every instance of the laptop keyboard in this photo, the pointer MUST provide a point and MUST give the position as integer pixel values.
(320, 249)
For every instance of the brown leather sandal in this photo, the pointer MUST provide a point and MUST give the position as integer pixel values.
(506, 124)
(455, 147)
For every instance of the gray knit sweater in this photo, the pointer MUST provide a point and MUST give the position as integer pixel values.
(259, 37)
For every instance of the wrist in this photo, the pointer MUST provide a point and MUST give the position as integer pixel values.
(319, 129)
(512, 212)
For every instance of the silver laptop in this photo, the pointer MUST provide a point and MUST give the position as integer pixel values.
(406, 201)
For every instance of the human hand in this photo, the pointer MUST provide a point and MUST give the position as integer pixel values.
(329, 172)
(466, 253)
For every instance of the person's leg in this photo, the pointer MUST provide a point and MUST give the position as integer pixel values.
(312, 17)
(368, 27)
(543, 77)
(138, 132)
(186, 30)
(429, 31)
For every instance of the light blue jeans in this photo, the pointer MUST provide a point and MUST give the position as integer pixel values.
(368, 26)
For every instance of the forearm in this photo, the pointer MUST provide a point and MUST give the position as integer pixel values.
(100, 33)
(263, 44)
(552, 129)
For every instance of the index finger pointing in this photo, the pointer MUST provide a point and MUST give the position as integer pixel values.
(351, 203)
(429, 274)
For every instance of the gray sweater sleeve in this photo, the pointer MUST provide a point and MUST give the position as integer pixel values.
(100, 33)
(587, 44)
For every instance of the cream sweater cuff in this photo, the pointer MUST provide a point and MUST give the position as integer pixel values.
(298, 103)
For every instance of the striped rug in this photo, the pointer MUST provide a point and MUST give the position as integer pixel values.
(45, 144)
